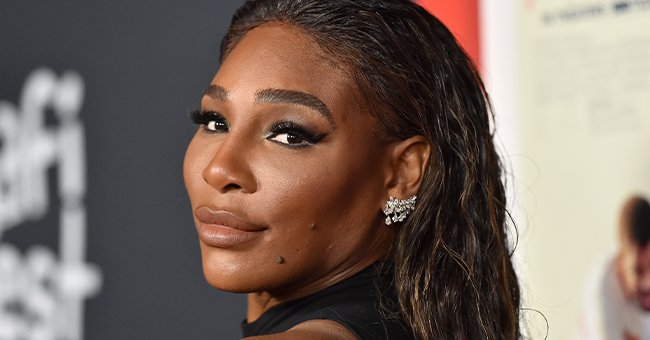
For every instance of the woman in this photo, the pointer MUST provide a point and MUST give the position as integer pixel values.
(344, 177)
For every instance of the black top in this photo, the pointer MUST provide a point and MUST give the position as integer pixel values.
(354, 302)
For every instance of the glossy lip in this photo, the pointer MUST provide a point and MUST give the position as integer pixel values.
(224, 229)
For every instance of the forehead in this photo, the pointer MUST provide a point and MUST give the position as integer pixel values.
(281, 56)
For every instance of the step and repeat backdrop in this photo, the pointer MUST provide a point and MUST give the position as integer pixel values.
(96, 235)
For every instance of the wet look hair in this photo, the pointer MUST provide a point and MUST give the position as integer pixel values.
(453, 269)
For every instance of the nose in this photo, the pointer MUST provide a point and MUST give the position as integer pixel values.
(229, 169)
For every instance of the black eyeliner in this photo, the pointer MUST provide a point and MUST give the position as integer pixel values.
(296, 130)
(203, 118)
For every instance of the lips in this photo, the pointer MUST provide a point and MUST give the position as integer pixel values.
(224, 229)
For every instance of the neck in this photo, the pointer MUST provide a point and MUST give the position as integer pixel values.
(260, 302)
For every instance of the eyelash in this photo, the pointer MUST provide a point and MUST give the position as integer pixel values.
(205, 118)
(306, 136)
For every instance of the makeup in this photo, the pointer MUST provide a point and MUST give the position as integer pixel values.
(280, 160)
(285, 132)
(293, 135)
(210, 121)
(224, 229)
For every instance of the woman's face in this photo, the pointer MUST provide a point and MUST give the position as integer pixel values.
(285, 175)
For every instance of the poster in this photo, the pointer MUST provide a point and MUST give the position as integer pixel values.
(584, 108)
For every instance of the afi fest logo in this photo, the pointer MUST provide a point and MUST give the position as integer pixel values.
(42, 293)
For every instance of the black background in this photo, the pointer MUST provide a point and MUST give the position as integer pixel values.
(144, 64)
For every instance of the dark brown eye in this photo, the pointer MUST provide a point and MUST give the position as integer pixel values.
(293, 135)
(210, 121)
(289, 138)
(216, 126)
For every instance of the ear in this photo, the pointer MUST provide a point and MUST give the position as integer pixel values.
(408, 160)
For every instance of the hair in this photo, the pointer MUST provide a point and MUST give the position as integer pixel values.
(452, 269)
(638, 211)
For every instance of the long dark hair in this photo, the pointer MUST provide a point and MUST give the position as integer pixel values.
(453, 272)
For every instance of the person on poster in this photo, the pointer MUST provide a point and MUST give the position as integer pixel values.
(620, 306)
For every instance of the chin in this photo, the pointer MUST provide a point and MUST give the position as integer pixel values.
(227, 272)
(228, 284)
(237, 272)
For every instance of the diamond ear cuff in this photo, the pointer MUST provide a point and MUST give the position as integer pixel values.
(396, 210)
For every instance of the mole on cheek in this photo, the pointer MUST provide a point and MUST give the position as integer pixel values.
(312, 226)
(280, 260)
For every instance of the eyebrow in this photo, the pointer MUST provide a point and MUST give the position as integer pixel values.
(278, 96)
(216, 92)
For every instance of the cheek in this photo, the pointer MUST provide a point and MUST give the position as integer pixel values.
(297, 190)
(306, 182)
(332, 191)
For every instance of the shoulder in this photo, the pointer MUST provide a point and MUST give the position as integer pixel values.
(312, 329)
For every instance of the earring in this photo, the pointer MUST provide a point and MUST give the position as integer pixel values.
(399, 208)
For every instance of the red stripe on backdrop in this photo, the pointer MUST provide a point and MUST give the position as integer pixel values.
(462, 19)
